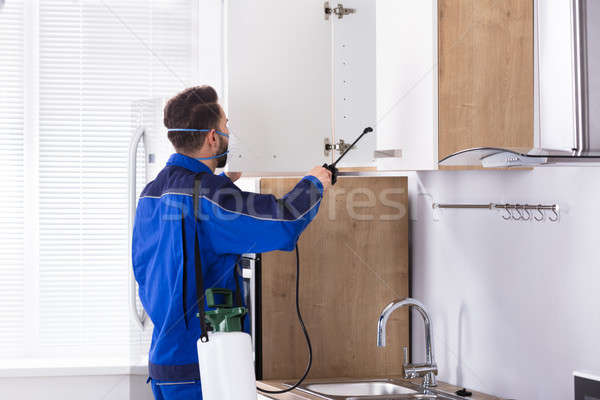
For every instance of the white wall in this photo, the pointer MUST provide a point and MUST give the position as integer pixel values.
(515, 305)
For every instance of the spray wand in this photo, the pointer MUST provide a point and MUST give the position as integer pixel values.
(332, 167)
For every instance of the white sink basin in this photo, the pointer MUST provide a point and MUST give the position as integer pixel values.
(358, 389)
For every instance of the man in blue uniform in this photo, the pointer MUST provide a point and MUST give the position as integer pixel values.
(188, 212)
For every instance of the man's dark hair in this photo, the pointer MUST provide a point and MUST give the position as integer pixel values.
(194, 108)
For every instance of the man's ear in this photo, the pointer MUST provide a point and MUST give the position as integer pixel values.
(211, 136)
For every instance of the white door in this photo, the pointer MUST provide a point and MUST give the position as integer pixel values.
(354, 78)
(279, 84)
(407, 84)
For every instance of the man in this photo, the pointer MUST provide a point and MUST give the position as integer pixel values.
(169, 234)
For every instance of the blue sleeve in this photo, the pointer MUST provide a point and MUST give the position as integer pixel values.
(224, 175)
(239, 222)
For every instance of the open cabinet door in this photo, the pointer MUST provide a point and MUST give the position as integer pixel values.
(353, 262)
(278, 55)
(354, 81)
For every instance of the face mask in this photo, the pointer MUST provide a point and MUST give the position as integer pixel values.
(222, 156)
(223, 150)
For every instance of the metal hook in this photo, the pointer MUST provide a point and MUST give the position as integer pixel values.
(517, 206)
(513, 215)
(526, 212)
(509, 215)
(542, 215)
(555, 213)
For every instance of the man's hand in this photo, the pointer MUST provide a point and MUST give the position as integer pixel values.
(323, 175)
(234, 176)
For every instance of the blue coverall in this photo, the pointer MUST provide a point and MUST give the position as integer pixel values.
(228, 223)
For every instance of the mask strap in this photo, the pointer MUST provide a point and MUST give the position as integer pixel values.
(197, 130)
(210, 158)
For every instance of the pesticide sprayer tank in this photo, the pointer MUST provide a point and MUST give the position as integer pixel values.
(225, 359)
(227, 366)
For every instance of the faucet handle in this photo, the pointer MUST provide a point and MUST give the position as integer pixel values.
(405, 351)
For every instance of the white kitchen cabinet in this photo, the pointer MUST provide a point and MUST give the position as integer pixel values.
(406, 74)
(296, 79)
(279, 91)
(354, 83)
(432, 77)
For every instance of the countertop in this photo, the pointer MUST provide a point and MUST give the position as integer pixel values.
(299, 395)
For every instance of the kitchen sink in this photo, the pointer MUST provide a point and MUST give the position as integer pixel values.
(346, 389)
(376, 389)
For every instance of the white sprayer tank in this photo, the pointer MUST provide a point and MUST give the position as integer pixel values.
(227, 367)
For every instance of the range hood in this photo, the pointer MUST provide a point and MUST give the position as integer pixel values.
(567, 92)
(495, 157)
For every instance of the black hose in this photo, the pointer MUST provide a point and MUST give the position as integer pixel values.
(303, 330)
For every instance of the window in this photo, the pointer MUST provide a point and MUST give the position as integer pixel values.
(65, 125)
(12, 165)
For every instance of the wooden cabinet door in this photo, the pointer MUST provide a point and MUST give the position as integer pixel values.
(353, 262)
(486, 74)
(279, 96)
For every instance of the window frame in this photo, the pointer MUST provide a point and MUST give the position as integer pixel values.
(29, 363)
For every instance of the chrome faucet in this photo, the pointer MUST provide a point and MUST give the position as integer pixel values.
(428, 370)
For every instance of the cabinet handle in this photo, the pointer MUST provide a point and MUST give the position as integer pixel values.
(393, 153)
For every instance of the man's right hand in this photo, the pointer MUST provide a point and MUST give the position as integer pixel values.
(323, 175)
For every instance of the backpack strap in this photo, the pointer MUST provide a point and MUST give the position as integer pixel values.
(198, 265)
(184, 280)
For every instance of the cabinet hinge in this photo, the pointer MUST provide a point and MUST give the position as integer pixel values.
(340, 146)
(340, 11)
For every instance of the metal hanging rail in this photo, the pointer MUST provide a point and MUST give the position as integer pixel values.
(521, 211)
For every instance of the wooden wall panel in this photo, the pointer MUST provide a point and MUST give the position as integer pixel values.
(486, 74)
(350, 268)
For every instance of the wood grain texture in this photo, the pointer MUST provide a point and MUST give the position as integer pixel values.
(486, 71)
(351, 267)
